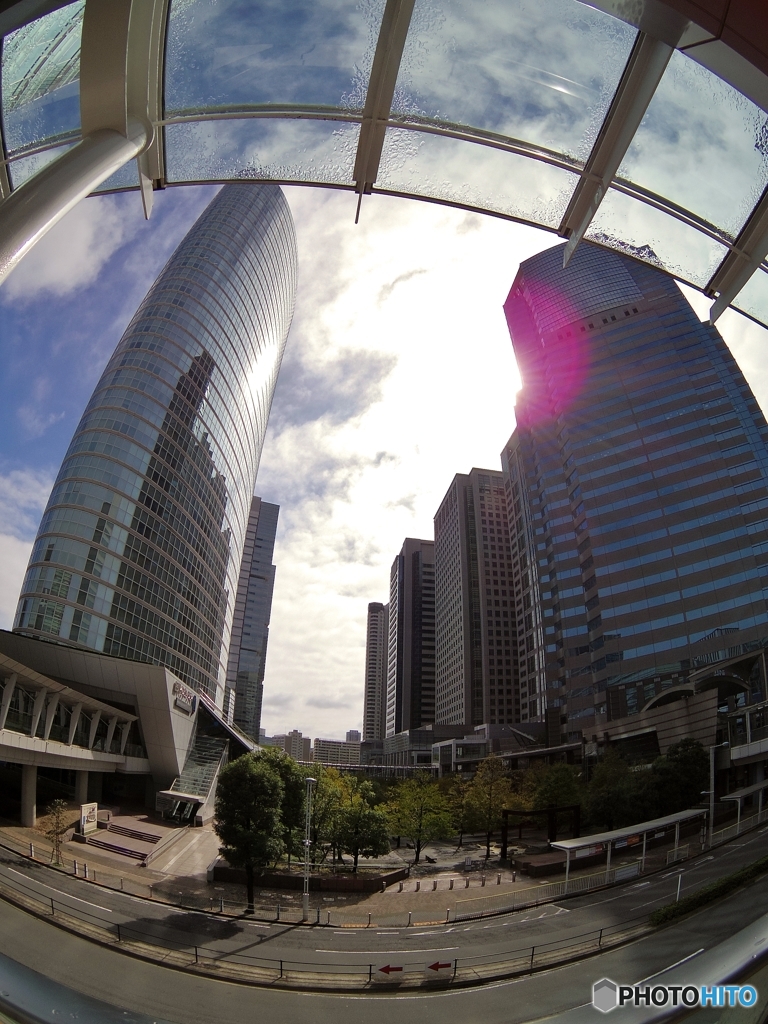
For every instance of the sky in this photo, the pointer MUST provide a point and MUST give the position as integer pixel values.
(398, 373)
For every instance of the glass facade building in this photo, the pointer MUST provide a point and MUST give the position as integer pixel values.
(139, 549)
(250, 626)
(637, 488)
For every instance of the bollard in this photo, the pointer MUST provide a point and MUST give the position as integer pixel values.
(318, 916)
(409, 918)
(448, 915)
(278, 917)
(150, 892)
(181, 899)
(434, 884)
(498, 879)
(121, 885)
(221, 904)
(328, 920)
(32, 851)
(482, 881)
(94, 875)
(450, 884)
(75, 868)
(400, 888)
(85, 870)
(369, 920)
(418, 885)
(466, 882)
(514, 874)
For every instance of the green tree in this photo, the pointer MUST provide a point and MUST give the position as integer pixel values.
(490, 793)
(247, 816)
(327, 805)
(363, 828)
(292, 806)
(420, 812)
(462, 811)
(57, 810)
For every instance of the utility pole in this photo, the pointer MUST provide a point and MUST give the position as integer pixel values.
(307, 823)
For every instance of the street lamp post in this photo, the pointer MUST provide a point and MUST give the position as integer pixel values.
(712, 750)
(307, 822)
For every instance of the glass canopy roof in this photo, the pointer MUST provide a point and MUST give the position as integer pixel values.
(498, 106)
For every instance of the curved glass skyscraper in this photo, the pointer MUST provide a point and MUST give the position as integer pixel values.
(139, 549)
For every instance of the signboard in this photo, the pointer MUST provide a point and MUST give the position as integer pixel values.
(388, 972)
(588, 851)
(627, 871)
(184, 699)
(88, 818)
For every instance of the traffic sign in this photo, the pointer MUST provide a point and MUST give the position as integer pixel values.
(389, 969)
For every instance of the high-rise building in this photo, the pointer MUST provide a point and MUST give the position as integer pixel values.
(375, 699)
(353, 736)
(295, 744)
(139, 550)
(474, 606)
(411, 642)
(250, 623)
(637, 481)
(336, 751)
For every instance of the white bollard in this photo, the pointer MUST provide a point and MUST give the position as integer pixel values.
(498, 879)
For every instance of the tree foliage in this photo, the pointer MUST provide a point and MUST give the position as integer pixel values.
(58, 826)
(362, 827)
(420, 812)
(247, 816)
(490, 792)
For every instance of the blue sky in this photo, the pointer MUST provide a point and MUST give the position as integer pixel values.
(398, 373)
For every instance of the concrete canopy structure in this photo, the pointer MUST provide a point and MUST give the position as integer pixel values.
(555, 113)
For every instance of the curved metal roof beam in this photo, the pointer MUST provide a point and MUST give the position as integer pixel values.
(381, 89)
(120, 61)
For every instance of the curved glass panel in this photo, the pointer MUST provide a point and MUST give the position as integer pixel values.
(41, 78)
(126, 177)
(541, 72)
(27, 166)
(139, 550)
(753, 297)
(630, 226)
(243, 52)
(453, 171)
(266, 148)
(701, 144)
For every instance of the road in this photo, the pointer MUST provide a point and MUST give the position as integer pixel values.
(187, 998)
(326, 947)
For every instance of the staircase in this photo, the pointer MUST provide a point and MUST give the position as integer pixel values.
(205, 758)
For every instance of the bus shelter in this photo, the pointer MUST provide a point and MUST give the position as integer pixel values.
(739, 795)
(629, 837)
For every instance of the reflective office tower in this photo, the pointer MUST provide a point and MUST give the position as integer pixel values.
(411, 645)
(636, 479)
(375, 699)
(475, 648)
(138, 552)
(250, 623)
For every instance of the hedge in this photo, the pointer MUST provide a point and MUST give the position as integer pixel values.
(710, 893)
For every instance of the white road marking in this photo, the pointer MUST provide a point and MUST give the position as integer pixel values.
(669, 874)
(59, 892)
(386, 952)
(671, 966)
(640, 885)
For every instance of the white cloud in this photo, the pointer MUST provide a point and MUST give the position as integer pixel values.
(398, 374)
(23, 496)
(73, 252)
(14, 555)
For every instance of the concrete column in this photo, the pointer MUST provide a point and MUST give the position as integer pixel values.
(28, 795)
(81, 787)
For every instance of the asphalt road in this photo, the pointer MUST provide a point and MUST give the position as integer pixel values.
(327, 947)
(185, 998)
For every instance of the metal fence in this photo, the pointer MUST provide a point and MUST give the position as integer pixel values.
(467, 909)
(731, 831)
(326, 974)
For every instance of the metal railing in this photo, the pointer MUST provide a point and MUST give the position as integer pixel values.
(480, 906)
(517, 960)
(731, 831)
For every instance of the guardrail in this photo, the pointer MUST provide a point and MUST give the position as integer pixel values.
(518, 960)
(479, 906)
(731, 831)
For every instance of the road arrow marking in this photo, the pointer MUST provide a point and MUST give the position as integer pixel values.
(389, 969)
(437, 966)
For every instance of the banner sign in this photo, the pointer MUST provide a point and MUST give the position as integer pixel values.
(88, 818)
(183, 698)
